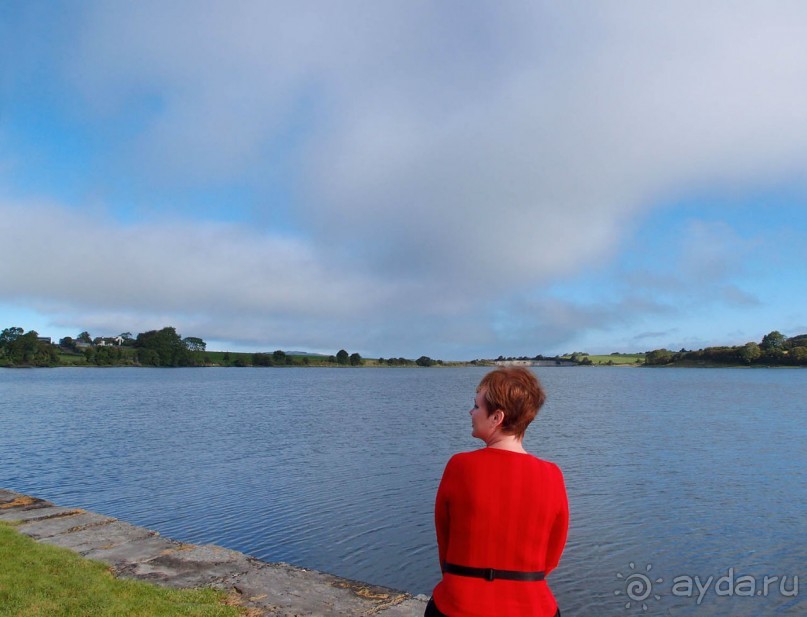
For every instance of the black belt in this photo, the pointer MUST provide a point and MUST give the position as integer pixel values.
(490, 574)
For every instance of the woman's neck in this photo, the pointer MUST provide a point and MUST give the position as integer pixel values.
(511, 443)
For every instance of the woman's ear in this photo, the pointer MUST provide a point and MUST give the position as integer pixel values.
(497, 417)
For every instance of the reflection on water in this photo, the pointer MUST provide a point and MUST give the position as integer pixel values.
(690, 472)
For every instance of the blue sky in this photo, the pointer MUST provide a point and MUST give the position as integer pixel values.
(405, 178)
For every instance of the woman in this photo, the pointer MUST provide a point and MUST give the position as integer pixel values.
(501, 514)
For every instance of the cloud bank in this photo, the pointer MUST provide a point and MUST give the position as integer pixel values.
(417, 174)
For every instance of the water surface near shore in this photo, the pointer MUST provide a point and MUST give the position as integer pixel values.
(692, 472)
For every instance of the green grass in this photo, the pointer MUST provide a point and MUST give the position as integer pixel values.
(37, 579)
(72, 359)
(636, 358)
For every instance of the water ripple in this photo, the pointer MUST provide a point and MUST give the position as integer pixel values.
(692, 471)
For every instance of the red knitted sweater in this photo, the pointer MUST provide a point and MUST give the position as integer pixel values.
(504, 510)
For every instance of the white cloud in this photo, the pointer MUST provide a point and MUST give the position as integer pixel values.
(181, 267)
(459, 156)
(219, 281)
(528, 138)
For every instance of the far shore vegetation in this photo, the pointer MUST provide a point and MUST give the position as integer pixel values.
(37, 579)
(166, 348)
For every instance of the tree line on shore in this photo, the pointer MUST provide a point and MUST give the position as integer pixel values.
(165, 348)
(153, 348)
(775, 349)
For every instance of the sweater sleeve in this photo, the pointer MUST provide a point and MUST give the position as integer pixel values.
(442, 514)
(560, 528)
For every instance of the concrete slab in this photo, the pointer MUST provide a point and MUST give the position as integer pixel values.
(411, 607)
(36, 513)
(288, 591)
(275, 589)
(10, 499)
(7, 496)
(45, 528)
(208, 553)
(100, 536)
(133, 552)
(190, 566)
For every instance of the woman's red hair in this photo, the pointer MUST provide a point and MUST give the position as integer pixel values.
(517, 392)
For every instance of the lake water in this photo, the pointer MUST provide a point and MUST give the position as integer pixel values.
(693, 473)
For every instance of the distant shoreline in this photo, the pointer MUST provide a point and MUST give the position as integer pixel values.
(166, 348)
(446, 365)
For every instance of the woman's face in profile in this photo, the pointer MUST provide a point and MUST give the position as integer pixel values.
(480, 421)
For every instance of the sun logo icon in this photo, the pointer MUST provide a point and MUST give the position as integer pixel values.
(638, 586)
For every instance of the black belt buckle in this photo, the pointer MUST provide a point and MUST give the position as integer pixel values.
(490, 574)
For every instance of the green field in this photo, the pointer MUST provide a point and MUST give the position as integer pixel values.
(616, 359)
(37, 579)
(72, 359)
(234, 358)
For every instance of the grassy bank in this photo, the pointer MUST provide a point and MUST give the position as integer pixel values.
(614, 359)
(36, 579)
(617, 359)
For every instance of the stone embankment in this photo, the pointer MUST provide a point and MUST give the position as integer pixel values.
(272, 589)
